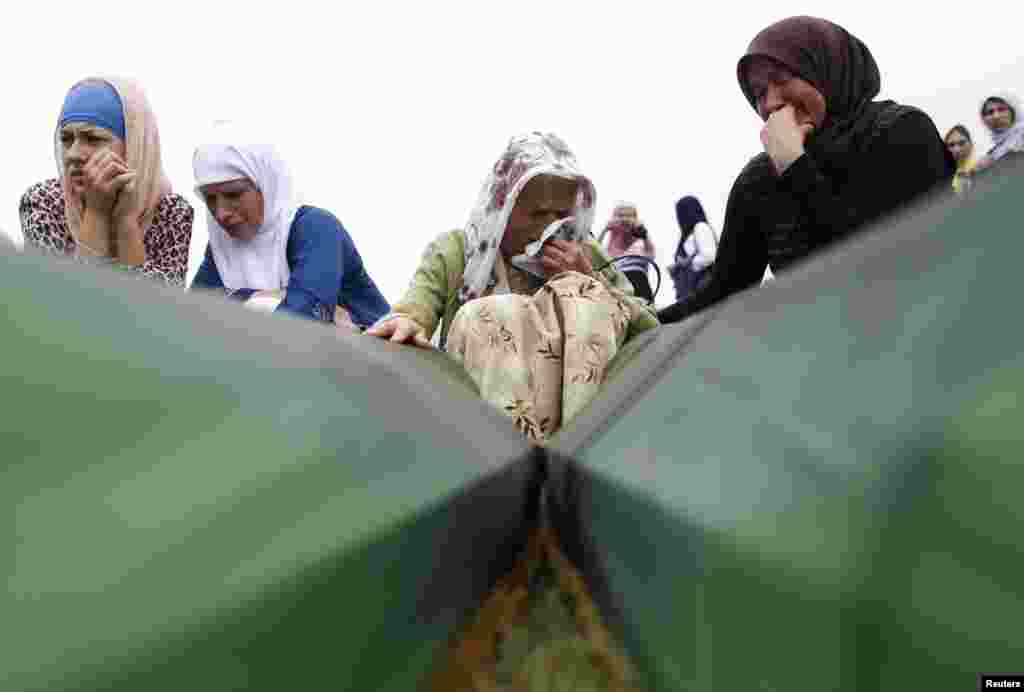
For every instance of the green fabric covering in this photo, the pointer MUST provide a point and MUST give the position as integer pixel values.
(203, 498)
(816, 487)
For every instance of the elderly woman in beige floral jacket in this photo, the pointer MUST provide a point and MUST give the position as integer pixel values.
(527, 301)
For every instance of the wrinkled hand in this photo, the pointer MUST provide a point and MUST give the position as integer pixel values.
(401, 330)
(559, 256)
(105, 177)
(783, 138)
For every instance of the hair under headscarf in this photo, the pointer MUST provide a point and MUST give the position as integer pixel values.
(834, 61)
(233, 153)
(93, 100)
(525, 157)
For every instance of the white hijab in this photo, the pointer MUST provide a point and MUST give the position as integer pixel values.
(230, 154)
(1010, 139)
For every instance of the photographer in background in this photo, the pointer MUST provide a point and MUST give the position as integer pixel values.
(628, 236)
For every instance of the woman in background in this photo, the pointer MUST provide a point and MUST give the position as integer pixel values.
(695, 253)
(628, 238)
(999, 114)
(961, 148)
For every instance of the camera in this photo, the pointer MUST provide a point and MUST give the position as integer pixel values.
(640, 232)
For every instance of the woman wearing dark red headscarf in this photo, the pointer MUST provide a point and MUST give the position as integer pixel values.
(834, 159)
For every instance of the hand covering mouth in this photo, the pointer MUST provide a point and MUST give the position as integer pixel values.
(559, 228)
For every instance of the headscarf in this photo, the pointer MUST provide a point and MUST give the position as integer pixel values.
(91, 100)
(834, 61)
(969, 163)
(525, 157)
(1003, 141)
(232, 153)
(689, 213)
(96, 103)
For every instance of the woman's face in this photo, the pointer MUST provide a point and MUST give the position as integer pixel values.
(237, 205)
(543, 200)
(625, 216)
(774, 87)
(79, 141)
(959, 146)
(996, 115)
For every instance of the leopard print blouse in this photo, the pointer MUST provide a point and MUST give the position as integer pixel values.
(166, 240)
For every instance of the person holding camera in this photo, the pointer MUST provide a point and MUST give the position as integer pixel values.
(628, 239)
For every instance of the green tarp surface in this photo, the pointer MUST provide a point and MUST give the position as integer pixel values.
(818, 485)
(814, 486)
(200, 498)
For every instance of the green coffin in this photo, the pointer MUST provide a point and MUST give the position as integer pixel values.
(815, 486)
(821, 485)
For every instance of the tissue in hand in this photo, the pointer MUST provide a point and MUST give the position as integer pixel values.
(530, 259)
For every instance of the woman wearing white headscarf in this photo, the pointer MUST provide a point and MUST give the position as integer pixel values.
(1000, 114)
(112, 202)
(534, 323)
(264, 240)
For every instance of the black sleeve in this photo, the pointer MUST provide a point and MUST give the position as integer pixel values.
(741, 257)
(904, 161)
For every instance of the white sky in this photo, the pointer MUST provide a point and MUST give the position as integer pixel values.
(391, 113)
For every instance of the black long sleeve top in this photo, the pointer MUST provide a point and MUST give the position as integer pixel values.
(825, 195)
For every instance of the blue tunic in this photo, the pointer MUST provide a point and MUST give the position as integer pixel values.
(326, 270)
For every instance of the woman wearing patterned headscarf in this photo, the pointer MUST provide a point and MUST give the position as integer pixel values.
(264, 241)
(834, 159)
(525, 298)
(112, 202)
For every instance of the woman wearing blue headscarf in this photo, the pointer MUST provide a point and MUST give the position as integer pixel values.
(112, 203)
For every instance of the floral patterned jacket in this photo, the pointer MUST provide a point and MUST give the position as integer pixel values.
(433, 294)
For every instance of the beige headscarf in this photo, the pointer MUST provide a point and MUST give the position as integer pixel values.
(142, 145)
